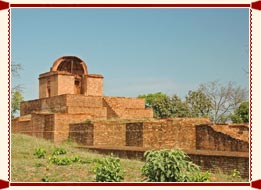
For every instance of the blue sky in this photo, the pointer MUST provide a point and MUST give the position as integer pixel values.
(138, 51)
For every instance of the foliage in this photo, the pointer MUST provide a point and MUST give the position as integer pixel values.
(224, 99)
(241, 114)
(16, 91)
(235, 173)
(59, 151)
(164, 106)
(17, 98)
(38, 165)
(178, 107)
(198, 103)
(40, 153)
(45, 179)
(171, 166)
(63, 161)
(108, 170)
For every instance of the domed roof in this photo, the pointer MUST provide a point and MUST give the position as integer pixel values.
(71, 64)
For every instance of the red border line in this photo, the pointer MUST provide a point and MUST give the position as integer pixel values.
(131, 5)
(130, 184)
(254, 5)
(250, 93)
(9, 90)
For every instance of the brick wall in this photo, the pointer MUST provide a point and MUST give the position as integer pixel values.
(84, 101)
(43, 83)
(22, 125)
(134, 134)
(61, 123)
(126, 108)
(53, 104)
(172, 133)
(65, 104)
(225, 161)
(209, 139)
(123, 102)
(65, 84)
(81, 133)
(214, 161)
(94, 85)
(109, 134)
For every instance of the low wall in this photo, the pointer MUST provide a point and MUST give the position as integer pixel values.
(207, 138)
(213, 161)
(82, 133)
(171, 133)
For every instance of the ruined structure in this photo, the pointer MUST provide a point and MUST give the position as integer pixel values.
(71, 105)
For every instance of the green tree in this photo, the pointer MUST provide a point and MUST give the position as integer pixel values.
(178, 107)
(164, 106)
(16, 91)
(159, 102)
(17, 98)
(224, 99)
(241, 114)
(198, 104)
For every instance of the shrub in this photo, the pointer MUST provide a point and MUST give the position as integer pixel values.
(171, 166)
(40, 153)
(108, 170)
(59, 151)
(63, 161)
(45, 179)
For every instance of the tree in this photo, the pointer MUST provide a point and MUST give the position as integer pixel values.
(159, 102)
(198, 104)
(224, 99)
(241, 114)
(164, 106)
(179, 108)
(17, 98)
(16, 91)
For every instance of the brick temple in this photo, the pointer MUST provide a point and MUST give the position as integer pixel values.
(71, 106)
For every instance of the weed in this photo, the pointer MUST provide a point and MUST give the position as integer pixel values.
(38, 165)
(59, 151)
(45, 179)
(40, 153)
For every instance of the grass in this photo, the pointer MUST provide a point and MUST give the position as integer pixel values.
(27, 167)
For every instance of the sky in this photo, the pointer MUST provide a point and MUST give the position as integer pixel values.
(137, 50)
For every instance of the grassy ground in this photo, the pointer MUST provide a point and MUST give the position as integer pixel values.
(26, 167)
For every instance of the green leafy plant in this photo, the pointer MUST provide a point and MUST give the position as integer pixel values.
(40, 153)
(236, 173)
(45, 179)
(63, 161)
(171, 166)
(108, 170)
(38, 165)
(59, 151)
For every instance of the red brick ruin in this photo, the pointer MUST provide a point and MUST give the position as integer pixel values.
(71, 106)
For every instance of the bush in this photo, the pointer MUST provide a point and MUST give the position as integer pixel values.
(45, 179)
(108, 170)
(59, 151)
(63, 161)
(40, 153)
(171, 166)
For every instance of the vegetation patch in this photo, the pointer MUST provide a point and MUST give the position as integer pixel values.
(40, 153)
(171, 166)
(108, 170)
(26, 166)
